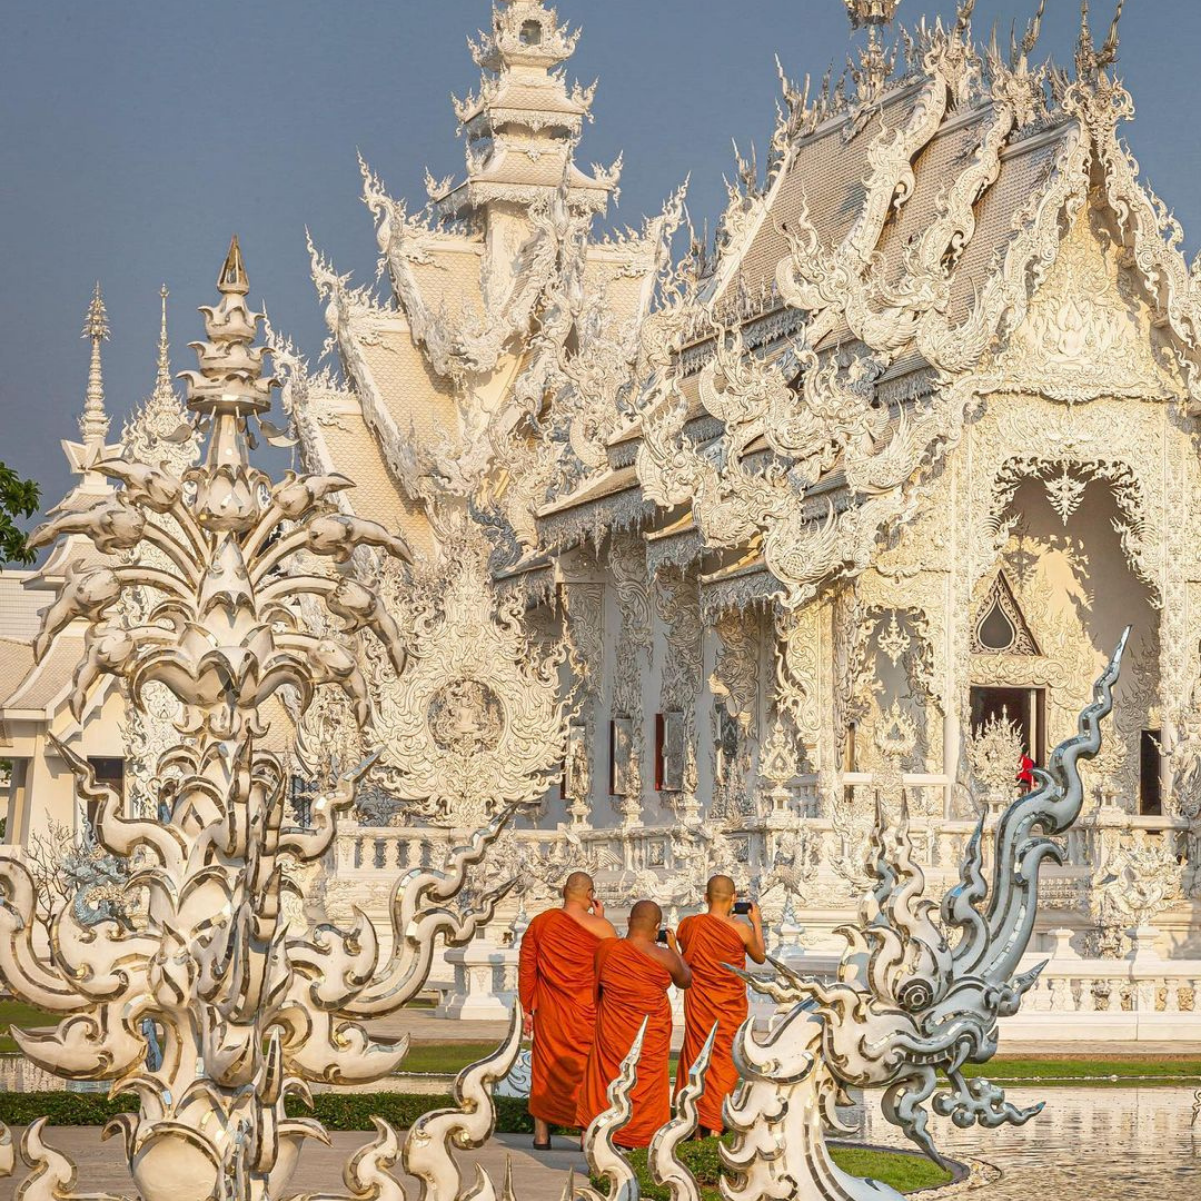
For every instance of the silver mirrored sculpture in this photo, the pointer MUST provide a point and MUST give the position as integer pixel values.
(916, 998)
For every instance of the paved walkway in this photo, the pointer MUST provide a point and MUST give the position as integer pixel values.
(539, 1177)
(1097, 1144)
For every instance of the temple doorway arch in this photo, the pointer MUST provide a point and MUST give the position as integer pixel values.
(1068, 577)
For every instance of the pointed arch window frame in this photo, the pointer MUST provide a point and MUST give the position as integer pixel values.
(1001, 596)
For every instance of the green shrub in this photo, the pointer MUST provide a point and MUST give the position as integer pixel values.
(64, 1109)
(339, 1111)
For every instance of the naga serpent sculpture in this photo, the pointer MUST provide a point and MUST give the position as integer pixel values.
(908, 1003)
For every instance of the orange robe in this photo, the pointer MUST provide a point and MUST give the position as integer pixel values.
(716, 995)
(557, 982)
(630, 986)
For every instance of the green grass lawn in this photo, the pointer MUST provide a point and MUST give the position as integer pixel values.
(902, 1172)
(1096, 1070)
(451, 1057)
(17, 1013)
(444, 1059)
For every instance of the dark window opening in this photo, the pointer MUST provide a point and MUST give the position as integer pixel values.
(1150, 798)
(728, 745)
(301, 794)
(109, 772)
(996, 630)
(531, 33)
(1025, 708)
(659, 773)
(612, 758)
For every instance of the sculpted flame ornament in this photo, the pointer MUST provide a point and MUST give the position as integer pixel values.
(604, 1158)
(246, 1015)
(907, 1003)
(474, 723)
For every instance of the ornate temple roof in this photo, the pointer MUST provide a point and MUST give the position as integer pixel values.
(892, 251)
(523, 124)
(909, 216)
(489, 286)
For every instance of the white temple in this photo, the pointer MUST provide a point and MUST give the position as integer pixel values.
(847, 509)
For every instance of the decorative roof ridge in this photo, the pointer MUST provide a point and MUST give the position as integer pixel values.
(405, 460)
(973, 70)
(296, 384)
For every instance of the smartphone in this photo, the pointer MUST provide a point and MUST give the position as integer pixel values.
(742, 907)
(662, 936)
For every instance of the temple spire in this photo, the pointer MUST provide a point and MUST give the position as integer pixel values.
(523, 124)
(94, 423)
(159, 432)
(162, 380)
(875, 64)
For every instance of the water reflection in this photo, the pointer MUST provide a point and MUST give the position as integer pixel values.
(1088, 1144)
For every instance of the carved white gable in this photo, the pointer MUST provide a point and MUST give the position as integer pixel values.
(1089, 332)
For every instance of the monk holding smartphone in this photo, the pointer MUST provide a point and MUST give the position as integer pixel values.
(633, 975)
(557, 982)
(709, 942)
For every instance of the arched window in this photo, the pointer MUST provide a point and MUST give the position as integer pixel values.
(531, 33)
(1001, 629)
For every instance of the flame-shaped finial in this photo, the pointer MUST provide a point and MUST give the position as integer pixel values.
(871, 12)
(1090, 60)
(232, 280)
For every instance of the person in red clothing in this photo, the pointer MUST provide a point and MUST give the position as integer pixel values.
(1025, 776)
(633, 975)
(557, 986)
(709, 941)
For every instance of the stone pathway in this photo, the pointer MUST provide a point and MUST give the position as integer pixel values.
(1095, 1144)
(538, 1177)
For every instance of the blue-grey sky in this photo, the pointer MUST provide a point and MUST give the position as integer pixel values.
(139, 134)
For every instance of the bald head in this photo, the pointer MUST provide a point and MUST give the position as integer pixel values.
(719, 888)
(577, 887)
(645, 918)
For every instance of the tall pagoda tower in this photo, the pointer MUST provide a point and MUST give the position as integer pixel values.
(522, 128)
(499, 292)
(82, 456)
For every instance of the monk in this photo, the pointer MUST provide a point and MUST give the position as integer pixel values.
(711, 940)
(557, 983)
(633, 975)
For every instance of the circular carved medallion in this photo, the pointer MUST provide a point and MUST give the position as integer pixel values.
(466, 717)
